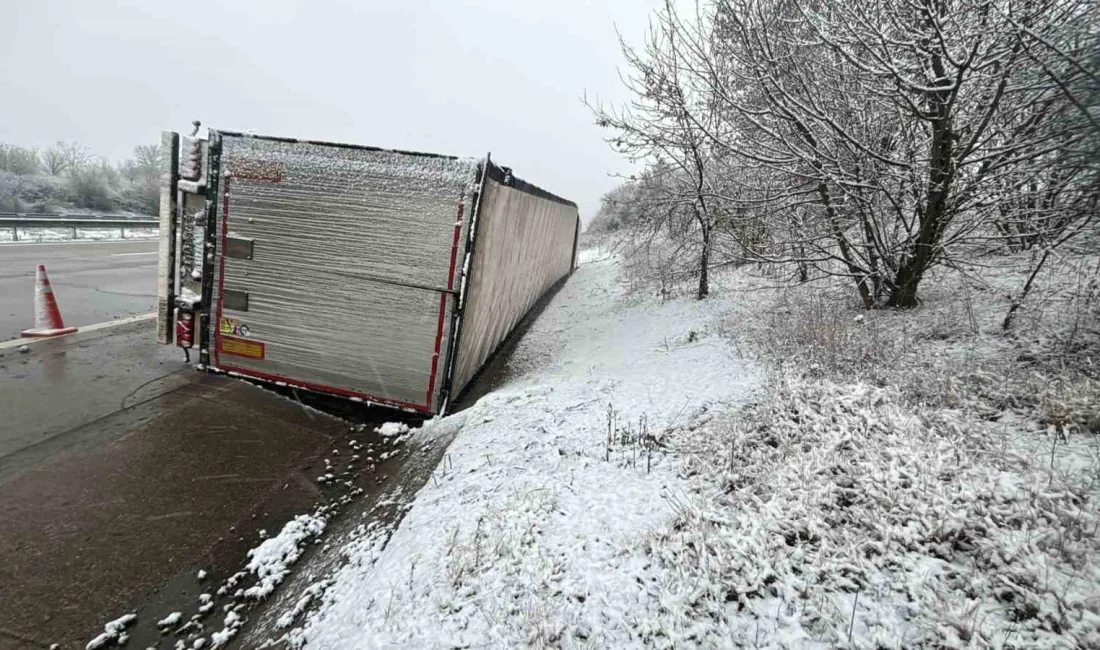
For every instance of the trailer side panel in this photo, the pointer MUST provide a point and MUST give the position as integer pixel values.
(525, 239)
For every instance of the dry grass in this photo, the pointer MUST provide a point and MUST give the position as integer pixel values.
(904, 478)
(950, 352)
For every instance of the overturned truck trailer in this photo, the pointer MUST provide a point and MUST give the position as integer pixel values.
(387, 277)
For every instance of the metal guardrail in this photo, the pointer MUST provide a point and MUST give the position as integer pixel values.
(46, 220)
(16, 220)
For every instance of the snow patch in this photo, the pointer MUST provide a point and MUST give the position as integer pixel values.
(270, 561)
(170, 620)
(113, 632)
(392, 429)
(312, 591)
(230, 626)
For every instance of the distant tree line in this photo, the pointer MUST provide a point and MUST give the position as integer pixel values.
(871, 140)
(67, 177)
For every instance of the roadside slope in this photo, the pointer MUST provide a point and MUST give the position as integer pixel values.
(525, 530)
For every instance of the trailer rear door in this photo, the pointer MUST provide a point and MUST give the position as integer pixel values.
(335, 266)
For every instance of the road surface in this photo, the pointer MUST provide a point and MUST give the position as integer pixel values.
(123, 472)
(92, 281)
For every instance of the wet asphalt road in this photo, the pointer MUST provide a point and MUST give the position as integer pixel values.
(93, 282)
(123, 472)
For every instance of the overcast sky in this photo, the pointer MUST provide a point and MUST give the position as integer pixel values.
(458, 77)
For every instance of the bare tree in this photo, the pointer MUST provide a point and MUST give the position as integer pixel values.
(147, 158)
(666, 125)
(1060, 199)
(65, 158)
(19, 160)
(872, 140)
(888, 130)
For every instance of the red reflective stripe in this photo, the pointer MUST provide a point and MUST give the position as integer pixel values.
(443, 306)
(266, 376)
(438, 345)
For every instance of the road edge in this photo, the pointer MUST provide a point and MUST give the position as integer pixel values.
(15, 343)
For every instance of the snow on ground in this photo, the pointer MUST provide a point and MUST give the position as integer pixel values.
(271, 560)
(46, 234)
(172, 619)
(268, 565)
(878, 479)
(38, 234)
(142, 233)
(947, 531)
(113, 633)
(230, 624)
(911, 478)
(529, 529)
(390, 429)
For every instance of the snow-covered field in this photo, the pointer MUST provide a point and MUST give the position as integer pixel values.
(884, 479)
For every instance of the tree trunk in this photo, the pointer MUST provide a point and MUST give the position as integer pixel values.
(845, 251)
(704, 264)
(870, 242)
(905, 289)
(1019, 300)
(934, 217)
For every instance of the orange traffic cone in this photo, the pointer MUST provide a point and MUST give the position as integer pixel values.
(47, 317)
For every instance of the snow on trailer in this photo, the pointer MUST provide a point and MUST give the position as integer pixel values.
(387, 277)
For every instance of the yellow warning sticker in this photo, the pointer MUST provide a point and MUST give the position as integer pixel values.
(229, 325)
(241, 347)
